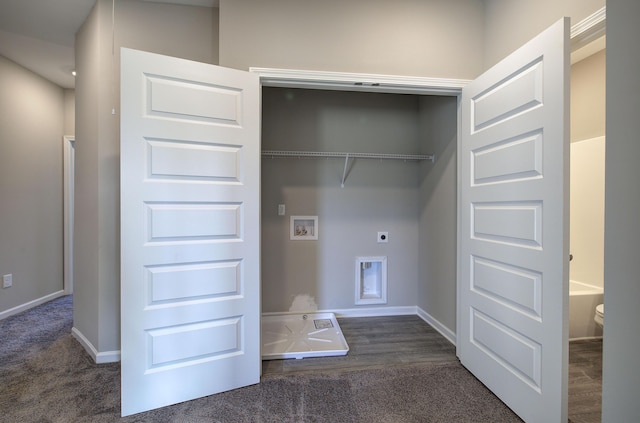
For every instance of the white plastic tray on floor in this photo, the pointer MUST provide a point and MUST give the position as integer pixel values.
(301, 335)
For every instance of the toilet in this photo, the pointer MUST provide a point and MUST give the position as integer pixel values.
(599, 317)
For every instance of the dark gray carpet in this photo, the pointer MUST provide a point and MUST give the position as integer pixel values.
(46, 376)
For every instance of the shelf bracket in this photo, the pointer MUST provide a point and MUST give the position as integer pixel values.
(344, 172)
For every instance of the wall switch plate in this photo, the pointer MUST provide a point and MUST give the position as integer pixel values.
(280, 209)
(7, 280)
(383, 236)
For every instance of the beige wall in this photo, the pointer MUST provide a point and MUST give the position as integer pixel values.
(587, 211)
(511, 23)
(437, 38)
(588, 103)
(31, 239)
(587, 169)
(180, 31)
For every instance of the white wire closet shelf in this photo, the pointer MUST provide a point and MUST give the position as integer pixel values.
(346, 156)
(336, 154)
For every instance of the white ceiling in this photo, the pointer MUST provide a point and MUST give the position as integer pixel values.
(40, 34)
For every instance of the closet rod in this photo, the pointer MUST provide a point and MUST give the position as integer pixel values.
(329, 154)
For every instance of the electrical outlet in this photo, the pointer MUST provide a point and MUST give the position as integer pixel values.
(280, 209)
(383, 236)
(7, 280)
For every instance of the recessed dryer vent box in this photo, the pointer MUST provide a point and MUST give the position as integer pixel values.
(371, 280)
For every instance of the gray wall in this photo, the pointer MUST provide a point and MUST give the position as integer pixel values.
(181, 31)
(69, 112)
(621, 373)
(31, 130)
(438, 38)
(378, 195)
(87, 294)
(438, 205)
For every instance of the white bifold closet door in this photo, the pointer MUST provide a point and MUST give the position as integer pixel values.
(513, 255)
(190, 175)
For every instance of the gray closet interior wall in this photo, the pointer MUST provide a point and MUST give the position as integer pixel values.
(379, 195)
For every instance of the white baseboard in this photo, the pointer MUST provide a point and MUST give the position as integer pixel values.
(374, 311)
(98, 357)
(358, 312)
(31, 304)
(444, 331)
(586, 338)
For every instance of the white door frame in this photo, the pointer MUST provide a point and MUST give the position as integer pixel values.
(68, 160)
(344, 81)
(583, 33)
(588, 30)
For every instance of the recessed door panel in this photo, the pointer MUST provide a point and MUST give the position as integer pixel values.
(182, 99)
(193, 221)
(518, 354)
(514, 223)
(514, 286)
(185, 345)
(518, 158)
(517, 93)
(199, 281)
(177, 160)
